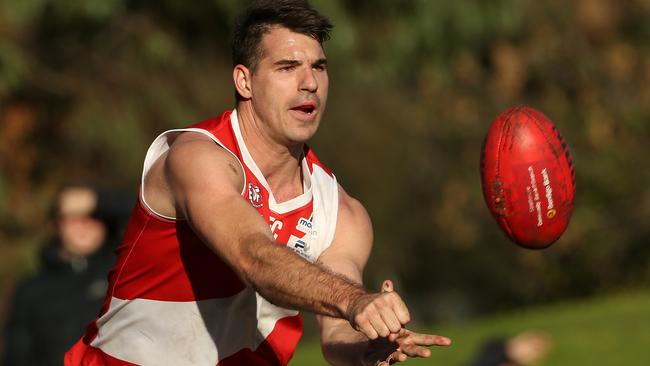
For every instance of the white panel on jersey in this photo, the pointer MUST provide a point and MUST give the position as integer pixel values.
(326, 207)
(186, 333)
(160, 146)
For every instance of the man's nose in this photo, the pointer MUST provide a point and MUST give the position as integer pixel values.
(308, 81)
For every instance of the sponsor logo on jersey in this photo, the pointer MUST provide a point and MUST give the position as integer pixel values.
(254, 195)
(305, 225)
(301, 245)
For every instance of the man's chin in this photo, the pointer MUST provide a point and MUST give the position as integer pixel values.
(302, 136)
(303, 131)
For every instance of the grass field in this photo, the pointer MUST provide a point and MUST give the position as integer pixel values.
(613, 330)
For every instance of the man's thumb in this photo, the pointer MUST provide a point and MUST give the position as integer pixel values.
(387, 286)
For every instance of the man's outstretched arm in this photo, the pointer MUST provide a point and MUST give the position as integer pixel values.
(340, 342)
(202, 182)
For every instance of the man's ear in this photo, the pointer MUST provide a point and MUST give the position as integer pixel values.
(241, 75)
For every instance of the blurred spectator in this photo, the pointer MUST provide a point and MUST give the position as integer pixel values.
(52, 308)
(524, 349)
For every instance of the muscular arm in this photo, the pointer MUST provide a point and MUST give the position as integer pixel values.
(340, 342)
(204, 182)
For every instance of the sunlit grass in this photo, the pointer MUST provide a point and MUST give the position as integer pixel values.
(612, 330)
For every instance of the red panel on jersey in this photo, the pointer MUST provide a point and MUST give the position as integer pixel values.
(220, 128)
(165, 260)
(82, 355)
(280, 343)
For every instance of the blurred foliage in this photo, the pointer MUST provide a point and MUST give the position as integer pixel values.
(85, 85)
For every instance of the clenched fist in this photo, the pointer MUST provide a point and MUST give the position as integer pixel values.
(381, 317)
(378, 314)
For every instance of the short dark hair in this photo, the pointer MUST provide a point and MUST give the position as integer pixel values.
(261, 15)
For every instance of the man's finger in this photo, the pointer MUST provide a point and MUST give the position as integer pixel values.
(387, 286)
(401, 311)
(394, 336)
(414, 350)
(378, 323)
(370, 332)
(397, 356)
(394, 357)
(428, 339)
(367, 329)
(391, 320)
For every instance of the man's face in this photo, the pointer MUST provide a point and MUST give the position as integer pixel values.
(289, 86)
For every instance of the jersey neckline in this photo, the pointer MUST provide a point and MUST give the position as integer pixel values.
(282, 207)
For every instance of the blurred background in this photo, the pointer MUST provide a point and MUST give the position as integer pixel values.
(86, 85)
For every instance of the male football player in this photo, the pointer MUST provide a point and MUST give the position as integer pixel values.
(239, 226)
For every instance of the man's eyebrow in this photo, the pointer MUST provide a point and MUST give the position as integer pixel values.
(287, 62)
(320, 62)
(290, 62)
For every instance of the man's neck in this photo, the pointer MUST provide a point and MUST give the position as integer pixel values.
(279, 163)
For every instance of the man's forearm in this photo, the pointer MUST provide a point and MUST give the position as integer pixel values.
(286, 279)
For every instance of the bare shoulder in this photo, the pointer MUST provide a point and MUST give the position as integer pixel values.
(193, 162)
(195, 143)
(351, 213)
(191, 150)
(352, 243)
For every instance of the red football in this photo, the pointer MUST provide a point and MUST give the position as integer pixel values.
(527, 176)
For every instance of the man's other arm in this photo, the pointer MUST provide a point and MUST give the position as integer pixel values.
(340, 342)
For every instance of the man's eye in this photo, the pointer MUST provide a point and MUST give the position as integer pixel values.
(319, 67)
(287, 68)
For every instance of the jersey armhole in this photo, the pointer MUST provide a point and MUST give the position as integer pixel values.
(160, 146)
(326, 206)
(334, 211)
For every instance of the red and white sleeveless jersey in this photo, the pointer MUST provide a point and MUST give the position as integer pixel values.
(172, 301)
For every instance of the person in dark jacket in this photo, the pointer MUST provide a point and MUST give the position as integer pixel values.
(52, 308)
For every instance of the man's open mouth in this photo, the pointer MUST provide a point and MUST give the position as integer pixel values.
(308, 109)
(305, 110)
